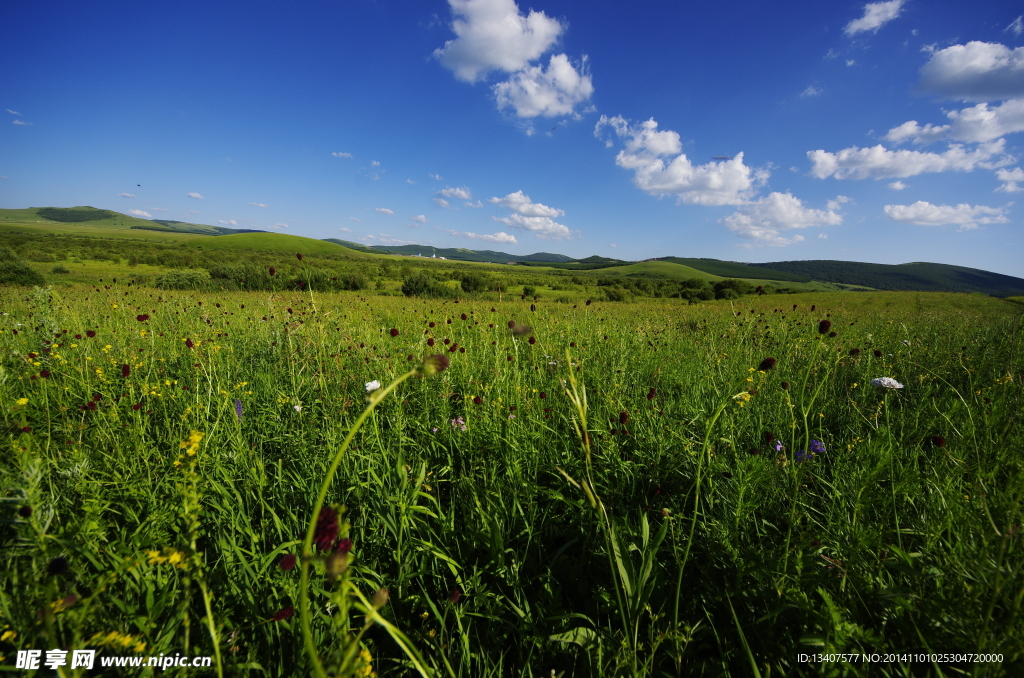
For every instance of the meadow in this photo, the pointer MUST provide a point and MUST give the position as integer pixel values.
(587, 489)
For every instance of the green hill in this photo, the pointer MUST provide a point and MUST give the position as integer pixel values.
(273, 242)
(735, 269)
(454, 253)
(920, 276)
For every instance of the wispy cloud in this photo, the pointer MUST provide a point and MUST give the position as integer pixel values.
(341, 154)
(126, 195)
(1016, 26)
(140, 213)
(499, 237)
(258, 204)
(811, 91)
(358, 221)
(279, 224)
(409, 181)
(229, 222)
(158, 209)
(385, 239)
(474, 204)
(442, 202)
(876, 15)
(435, 177)
(384, 210)
(880, 163)
(461, 192)
(374, 163)
(345, 230)
(195, 196)
(13, 112)
(763, 220)
(22, 122)
(963, 215)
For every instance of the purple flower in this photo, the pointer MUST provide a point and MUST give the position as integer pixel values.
(238, 409)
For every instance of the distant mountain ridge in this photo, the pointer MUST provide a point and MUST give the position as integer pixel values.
(456, 254)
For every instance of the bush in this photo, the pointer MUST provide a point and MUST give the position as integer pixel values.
(14, 271)
(726, 293)
(529, 290)
(474, 282)
(183, 280)
(60, 270)
(423, 285)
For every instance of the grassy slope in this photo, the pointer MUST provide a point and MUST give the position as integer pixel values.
(731, 269)
(271, 242)
(673, 271)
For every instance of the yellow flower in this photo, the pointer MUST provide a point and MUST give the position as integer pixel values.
(191, 446)
(8, 635)
(23, 401)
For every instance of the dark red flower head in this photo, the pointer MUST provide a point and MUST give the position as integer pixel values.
(623, 417)
(785, 385)
(45, 374)
(430, 341)
(326, 528)
(533, 340)
(431, 324)
(343, 547)
(877, 353)
(854, 352)
(188, 343)
(287, 562)
(284, 613)
(543, 395)
(588, 302)
(394, 332)
(824, 326)
(298, 256)
(766, 364)
(273, 271)
(90, 334)
(651, 394)
(813, 306)
(142, 318)
(25, 511)
(938, 441)
(477, 400)
(454, 596)
(833, 335)
(463, 316)
(58, 565)
(125, 371)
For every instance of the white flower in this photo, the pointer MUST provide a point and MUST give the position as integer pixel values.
(886, 382)
(298, 408)
(372, 386)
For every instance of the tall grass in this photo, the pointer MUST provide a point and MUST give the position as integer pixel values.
(595, 493)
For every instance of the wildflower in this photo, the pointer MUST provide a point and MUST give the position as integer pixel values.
(803, 455)
(877, 353)
(90, 334)
(284, 612)
(125, 371)
(45, 374)
(372, 386)
(287, 562)
(238, 409)
(477, 400)
(824, 326)
(273, 271)
(854, 352)
(886, 382)
(394, 332)
(22, 401)
(433, 364)
(430, 341)
(298, 256)
(25, 511)
(191, 446)
(326, 528)
(533, 340)
(456, 595)
(543, 395)
(344, 546)
(588, 302)
(766, 364)
(298, 408)
(651, 394)
(459, 423)
(833, 335)
(779, 446)
(785, 385)
(142, 318)
(817, 447)
(623, 417)
(57, 566)
(463, 316)
(938, 441)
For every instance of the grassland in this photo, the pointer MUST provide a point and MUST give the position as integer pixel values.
(715, 519)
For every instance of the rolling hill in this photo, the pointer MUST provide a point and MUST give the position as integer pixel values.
(456, 254)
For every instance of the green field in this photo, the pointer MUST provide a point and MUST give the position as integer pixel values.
(715, 518)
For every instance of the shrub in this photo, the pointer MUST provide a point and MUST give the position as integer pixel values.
(60, 270)
(14, 271)
(474, 282)
(183, 280)
(423, 285)
(529, 290)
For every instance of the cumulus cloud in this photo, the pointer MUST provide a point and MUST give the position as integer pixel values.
(962, 215)
(977, 71)
(442, 202)
(534, 91)
(374, 163)
(341, 154)
(838, 202)
(897, 185)
(499, 237)
(648, 152)
(878, 162)
(435, 177)
(532, 216)
(258, 204)
(195, 196)
(140, 213)
(420, 218)
(493, 35)
(126, 195)
(763, 220)
(229, 222)
(460, 192)
(1012, 180)
(975, 124)
(811, 91)
(876, 15)
(384, 210)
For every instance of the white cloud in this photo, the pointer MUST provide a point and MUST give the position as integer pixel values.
(126, 195)
(279, 224)
(420, 218)
(409, 181)
(195, 196)
(229, 222)
(474, 204)
(22, 122)
(1016, 27)
(442, 202)
(811, 91)
(837, 204)
(764, 219)
(728, 182)
(384, 210)
(612, 245)
(963, 215)
(975, 124)
(435, 177)
(823, 236)
(345, 230)
(13, 112)
(897, 185)
(876, 15)
(374, 163)
(1011, 180)
(532, 216)
(850, 62)
(4, 176)
(534, 91)
(159, 209)
(460, 192)
(499, 237)
(258, 204)
(977, 71)
(341, 154)
(493, 35)
(140, 213)
(358, 221)
(878, 162)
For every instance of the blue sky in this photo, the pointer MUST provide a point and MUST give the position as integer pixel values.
(886, 132)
